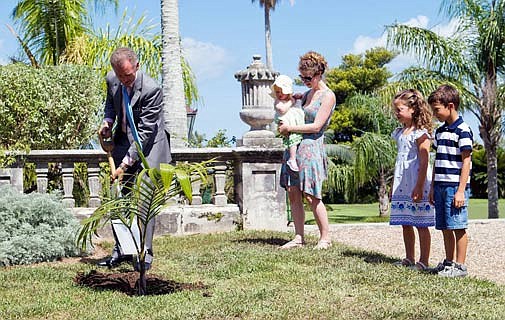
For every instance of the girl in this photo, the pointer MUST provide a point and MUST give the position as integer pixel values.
(410, 205)
(285, 111)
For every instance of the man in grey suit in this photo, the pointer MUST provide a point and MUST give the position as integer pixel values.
(145, 97)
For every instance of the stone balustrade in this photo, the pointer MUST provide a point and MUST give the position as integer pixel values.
(259, 201)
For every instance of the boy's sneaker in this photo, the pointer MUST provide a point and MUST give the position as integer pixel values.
(456, 270)
(293, 165)
(440, 267)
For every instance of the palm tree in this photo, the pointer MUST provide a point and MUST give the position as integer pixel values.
(47, 26)
(172, 75)
(95, 47)
(370, 157)
(147, 197)
(269, 5)
(472, 60)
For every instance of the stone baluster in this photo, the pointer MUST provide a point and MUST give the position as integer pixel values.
(220, 181)
(41, 171)
(68, 184)
(94, 184)
(196, 182)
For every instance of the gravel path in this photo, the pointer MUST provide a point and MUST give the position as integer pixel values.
(486, 241)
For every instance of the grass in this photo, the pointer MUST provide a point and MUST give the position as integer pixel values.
(249, 278)
(356, 213)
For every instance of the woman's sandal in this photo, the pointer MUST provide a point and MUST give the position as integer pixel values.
(323, 245)
(404, 263)
(419, 266)
(295, 243)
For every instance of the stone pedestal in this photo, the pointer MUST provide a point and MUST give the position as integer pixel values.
(262, 200)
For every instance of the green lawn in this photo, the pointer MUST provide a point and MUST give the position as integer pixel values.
(354, 213)
(248, 277)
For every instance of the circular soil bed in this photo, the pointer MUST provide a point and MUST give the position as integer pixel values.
(126, 282)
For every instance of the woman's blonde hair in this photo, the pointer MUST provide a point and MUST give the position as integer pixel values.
(422, 116)
(313, 62)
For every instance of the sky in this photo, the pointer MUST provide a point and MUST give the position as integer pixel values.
(220, 37)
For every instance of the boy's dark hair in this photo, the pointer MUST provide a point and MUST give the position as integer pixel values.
(444, 95)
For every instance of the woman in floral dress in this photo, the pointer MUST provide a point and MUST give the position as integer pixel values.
(318, 104)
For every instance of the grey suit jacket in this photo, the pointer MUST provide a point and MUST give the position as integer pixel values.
(147, 107)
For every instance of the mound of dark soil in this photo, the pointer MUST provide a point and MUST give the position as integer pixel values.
(126, 282)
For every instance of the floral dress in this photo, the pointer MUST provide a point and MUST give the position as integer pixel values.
(310, 156)
(404, 211)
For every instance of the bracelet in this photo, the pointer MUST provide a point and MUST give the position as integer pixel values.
(123, 166)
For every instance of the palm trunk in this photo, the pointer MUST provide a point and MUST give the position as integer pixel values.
(174, 104)
(268, 39)
(383, 195)
(142, 281)
(490, 132)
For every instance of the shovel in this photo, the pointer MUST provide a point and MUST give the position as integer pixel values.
(127, 241)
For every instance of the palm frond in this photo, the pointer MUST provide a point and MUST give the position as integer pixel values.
(343, 152)
(373, 153)
(432, 50)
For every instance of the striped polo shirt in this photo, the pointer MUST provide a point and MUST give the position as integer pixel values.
(449, 141)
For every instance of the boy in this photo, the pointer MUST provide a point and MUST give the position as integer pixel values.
(450, 186)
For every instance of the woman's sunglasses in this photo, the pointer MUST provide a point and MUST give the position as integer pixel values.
(306, 79)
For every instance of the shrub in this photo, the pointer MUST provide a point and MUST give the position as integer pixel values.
(34, 228)
(48, 108)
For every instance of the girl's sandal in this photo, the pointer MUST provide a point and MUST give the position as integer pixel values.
(292, 244)
(323, 245)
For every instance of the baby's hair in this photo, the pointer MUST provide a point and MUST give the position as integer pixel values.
(313, 62)
(288, 94)
(422, 116)
(444, 95)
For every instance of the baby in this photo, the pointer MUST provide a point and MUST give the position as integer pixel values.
(285, 111)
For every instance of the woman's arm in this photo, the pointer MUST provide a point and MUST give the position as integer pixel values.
(327, 103)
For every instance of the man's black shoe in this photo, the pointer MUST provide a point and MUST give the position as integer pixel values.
(112, 262)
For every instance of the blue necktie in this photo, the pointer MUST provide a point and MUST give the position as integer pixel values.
(129, 116)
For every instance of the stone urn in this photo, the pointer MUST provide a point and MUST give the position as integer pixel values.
(257, 104)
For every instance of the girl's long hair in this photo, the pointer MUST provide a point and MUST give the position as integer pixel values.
(423, 116)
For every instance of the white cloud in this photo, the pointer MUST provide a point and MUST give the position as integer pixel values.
(363, 43)
(207, 60)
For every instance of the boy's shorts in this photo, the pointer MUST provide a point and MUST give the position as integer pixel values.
(446, 215)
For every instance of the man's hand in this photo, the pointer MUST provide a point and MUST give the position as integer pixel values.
(105, 129)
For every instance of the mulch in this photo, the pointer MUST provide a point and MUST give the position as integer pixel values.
(126, 282)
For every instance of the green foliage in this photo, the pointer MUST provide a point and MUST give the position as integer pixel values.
(34, 228)
(47, 27)
(360, 73)
(48, 108)
(220, 140)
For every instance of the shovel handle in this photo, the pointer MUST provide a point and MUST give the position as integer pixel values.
(111, 163)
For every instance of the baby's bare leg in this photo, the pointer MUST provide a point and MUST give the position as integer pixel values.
(292, 152)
